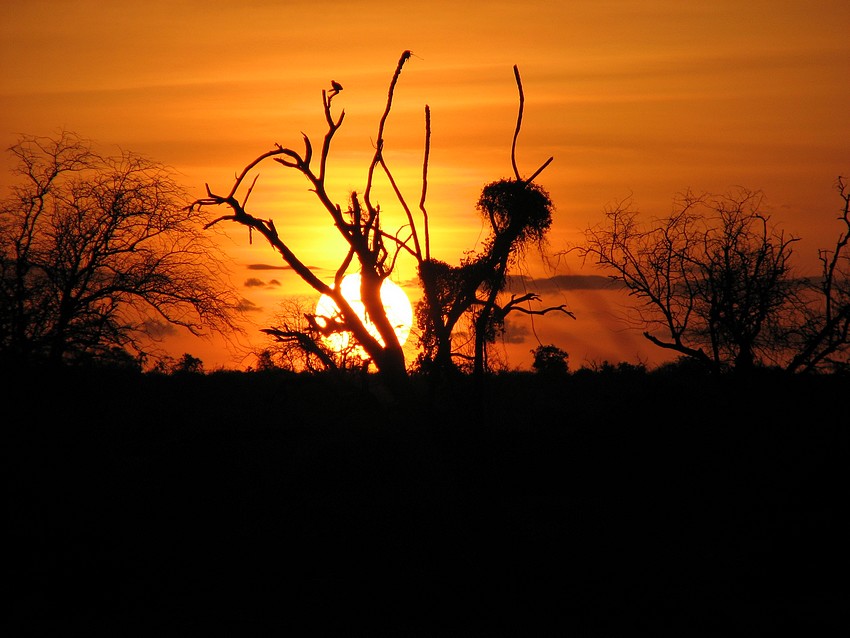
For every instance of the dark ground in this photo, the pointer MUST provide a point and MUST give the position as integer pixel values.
(598, 504)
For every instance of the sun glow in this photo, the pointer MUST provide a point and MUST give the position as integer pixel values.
(396, 303)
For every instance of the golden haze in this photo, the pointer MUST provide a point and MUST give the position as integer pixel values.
(632, 99)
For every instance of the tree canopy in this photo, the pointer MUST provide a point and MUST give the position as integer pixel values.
(715, 283)
(99, 255)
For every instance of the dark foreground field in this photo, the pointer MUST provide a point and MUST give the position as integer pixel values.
(598, 504)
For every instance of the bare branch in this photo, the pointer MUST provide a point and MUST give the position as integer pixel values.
(250, 188)
(516, 134)
(425, 181)
(304, 341)
(404, 206)
(343, 267)
(332, 128)
(379, 143)
(513, 306)
(518, 122)
(238, 182)
(540, 170)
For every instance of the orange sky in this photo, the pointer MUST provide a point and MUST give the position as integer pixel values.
(641, 99)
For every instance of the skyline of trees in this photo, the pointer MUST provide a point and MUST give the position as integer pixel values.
(517, 211)
(99, 256)
(715, 282)
(720, 260)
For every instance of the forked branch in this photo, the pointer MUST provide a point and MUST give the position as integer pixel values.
(516, 134)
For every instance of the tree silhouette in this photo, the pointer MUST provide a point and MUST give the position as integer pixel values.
(550, 360)
(97, 253)
(297, 339)
(821, 333)
(519, 214)
(716, 283)
(359, 225)
(374, 252)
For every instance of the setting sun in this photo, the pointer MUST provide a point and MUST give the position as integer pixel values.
(396, 303)
(425, 318)
(634, 101)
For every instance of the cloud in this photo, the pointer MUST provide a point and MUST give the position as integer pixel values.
(284, 267)
(560, 283)
(515, 332)
(253, 282)
(267, 267)
(160, 329)
(248, 306)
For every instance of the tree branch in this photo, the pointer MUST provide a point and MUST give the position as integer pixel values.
(518, 122)
(379, 143)
(425, 182)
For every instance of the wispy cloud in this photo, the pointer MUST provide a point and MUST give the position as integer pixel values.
(271, 267)
(253, 282)
(246, 305)
(560, 283)
(267, 267)
(515, 332)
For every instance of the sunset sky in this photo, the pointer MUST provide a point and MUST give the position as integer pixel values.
(632, 99)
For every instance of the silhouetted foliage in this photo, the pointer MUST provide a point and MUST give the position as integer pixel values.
(98, 254)
(716, 284)
(188, 364)
(518, 213)
(550, 359)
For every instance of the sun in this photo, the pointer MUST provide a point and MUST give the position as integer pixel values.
(396, 303)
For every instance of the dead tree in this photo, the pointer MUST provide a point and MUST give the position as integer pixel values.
(715, 284)
(374, 251)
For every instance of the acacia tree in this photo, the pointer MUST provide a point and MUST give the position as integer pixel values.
(96, 253)
(716, 283)
(371, 250)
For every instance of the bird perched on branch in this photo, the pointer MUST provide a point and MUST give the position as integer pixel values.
(336, 87)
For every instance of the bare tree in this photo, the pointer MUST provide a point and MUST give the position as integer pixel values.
(297, 340)
(359, 224)
(716, 283)
(373, 251)
(821, 335)
(96, 253)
